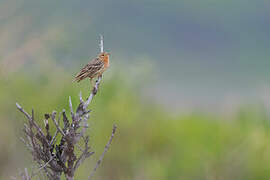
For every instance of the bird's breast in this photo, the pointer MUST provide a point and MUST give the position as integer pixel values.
(106, 62)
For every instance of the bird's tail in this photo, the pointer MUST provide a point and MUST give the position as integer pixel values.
(76, 79)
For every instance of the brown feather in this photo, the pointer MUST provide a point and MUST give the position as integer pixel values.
(90, 70)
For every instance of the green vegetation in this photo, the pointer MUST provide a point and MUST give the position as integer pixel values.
(150, 142)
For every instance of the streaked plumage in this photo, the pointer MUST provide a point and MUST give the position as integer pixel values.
(94, 68)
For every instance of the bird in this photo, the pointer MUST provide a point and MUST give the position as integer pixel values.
(94, 68)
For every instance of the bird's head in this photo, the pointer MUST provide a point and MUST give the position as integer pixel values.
(104, 55)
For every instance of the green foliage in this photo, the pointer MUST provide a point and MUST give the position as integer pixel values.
(150, 143)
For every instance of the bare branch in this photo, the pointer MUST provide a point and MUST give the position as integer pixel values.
(101, 43)
(56, 124)
(56, 158)
(23, 111)
(85, 153)
(81, 99)
(70, 106)
(93, 92)
(42, 167)
(103, 154)
(26, 174)
(56, 132)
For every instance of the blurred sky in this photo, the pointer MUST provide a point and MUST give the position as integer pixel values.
(204, 53)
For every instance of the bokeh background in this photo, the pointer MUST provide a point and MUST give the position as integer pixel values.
(188, 85)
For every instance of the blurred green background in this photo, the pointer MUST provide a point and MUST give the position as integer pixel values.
(188, 84)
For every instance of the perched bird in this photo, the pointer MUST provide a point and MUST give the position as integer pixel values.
(94, 68)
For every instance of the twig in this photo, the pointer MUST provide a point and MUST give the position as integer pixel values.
(56, 124)
(85, 153)
(23, 111)
(81, 99)
(103, 154)
(42, 167)
(26, 174)
(55, 134)
(70, 106)
(101, 43)
(93, 92)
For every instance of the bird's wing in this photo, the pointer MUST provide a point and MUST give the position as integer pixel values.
(90, 69)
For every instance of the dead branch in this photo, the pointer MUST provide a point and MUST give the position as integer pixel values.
(104, 152)
(56, 158)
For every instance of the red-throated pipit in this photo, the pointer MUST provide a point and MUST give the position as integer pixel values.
(94, 68)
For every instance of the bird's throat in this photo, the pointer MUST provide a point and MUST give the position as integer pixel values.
(106, 61)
